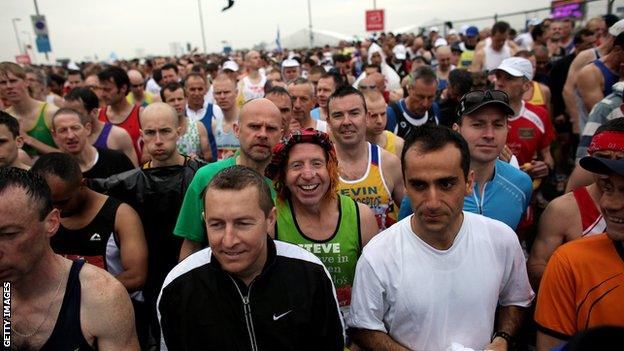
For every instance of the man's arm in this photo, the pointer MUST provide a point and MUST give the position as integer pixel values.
(551, 234)
(120, 140)
(188, 248)
(106, 312)
(589, 85)
(579, 62)
(133, 248)
(368, 223)
(392, 171)
(477, 61)
(509, 321)
(398, 146)
(579, 177)
(375, 340)
(203, 142)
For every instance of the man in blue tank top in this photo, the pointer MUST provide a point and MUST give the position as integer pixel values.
(500, 191)
(56, 304)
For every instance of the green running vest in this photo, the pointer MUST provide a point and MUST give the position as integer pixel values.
(339, 253)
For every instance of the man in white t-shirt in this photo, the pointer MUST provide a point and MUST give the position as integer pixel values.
(440, 276)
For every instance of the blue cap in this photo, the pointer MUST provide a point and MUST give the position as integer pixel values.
(472, 31)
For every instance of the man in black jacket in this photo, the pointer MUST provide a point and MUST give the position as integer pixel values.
(247, 292)
(156, 192)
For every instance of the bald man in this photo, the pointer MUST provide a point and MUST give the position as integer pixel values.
(252, 85)
(137, 94)
(258, 130)
(443, 54)
(156, 192)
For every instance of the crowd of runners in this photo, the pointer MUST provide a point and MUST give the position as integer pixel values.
(455, 189)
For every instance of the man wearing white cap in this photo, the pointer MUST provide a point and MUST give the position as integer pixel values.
(290, 70)
(397, 62)
(530, 129)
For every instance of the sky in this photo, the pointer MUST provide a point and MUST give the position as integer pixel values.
(86, 29)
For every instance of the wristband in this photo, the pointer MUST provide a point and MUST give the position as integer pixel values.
(505, 336)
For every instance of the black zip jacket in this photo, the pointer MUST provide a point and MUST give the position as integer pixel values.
(291, 305)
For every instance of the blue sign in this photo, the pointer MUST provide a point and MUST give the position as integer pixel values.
(43, 43)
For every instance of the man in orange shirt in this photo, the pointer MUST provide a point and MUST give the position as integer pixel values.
(582, 285)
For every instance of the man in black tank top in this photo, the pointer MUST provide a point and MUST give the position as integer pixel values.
(96, 228)
(56, 304)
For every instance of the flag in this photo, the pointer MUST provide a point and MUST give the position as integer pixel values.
(278, 41)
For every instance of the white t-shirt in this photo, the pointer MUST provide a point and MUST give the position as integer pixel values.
(427, 299)
(321, 125)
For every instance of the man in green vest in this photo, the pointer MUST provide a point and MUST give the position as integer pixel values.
(310, 211)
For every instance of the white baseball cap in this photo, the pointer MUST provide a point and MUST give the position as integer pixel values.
(440, 42)
(399, 51)
(231, 65)
(617, 28)
(434, 29)
(290, 63)
(517, 67)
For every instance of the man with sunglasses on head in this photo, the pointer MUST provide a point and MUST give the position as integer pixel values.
(500, 190)
(580, 207)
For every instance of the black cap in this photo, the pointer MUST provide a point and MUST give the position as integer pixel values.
(477, 99)
(600, 165)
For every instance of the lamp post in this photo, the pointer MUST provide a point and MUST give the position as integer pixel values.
(201, 24)
(310, 25)
(19, 43)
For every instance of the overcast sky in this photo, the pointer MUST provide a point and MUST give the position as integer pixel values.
(81, 29)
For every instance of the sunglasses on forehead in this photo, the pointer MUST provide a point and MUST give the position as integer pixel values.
(478, 96)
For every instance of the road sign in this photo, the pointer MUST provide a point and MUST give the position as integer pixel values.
(40, 27)
(374, 20)
(43, 44)
(23, 59)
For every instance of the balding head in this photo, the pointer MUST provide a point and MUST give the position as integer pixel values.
(159, 110)
(259, 129)
(443, 54)
(135, 76)
(259, 106)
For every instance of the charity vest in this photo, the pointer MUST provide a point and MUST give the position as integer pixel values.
(372, 190)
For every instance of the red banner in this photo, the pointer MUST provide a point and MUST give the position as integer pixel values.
(374, 20)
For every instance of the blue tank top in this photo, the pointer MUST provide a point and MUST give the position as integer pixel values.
(100, 143)
(608, 75)
(207, 122)
(67, 334)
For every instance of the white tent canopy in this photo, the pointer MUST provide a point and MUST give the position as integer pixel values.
(301, 38)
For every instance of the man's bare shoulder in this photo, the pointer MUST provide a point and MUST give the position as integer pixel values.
(390, 160)
(99, 288)
(564, 206)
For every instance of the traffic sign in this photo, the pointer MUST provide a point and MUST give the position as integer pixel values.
(43, 43)
(374, 20)
(40, 27)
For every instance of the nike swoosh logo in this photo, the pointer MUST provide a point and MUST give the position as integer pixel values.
(281, 315)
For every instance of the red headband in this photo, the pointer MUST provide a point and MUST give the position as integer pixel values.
(608, 140)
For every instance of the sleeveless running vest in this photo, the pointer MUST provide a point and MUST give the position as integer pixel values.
(101, 142)
(148, 99)
(252, 91)
(591, 218)
(227, 142)
(390, 142)
(95, 243)
(189, 143)
(41, 132)
(493, 58)
(538, 97)
(465, 59)
(608, 75)
(131, 124)
(339, 253)
(372, 190)
(67, 334)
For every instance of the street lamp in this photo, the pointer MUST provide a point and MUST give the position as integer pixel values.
(19, 44)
